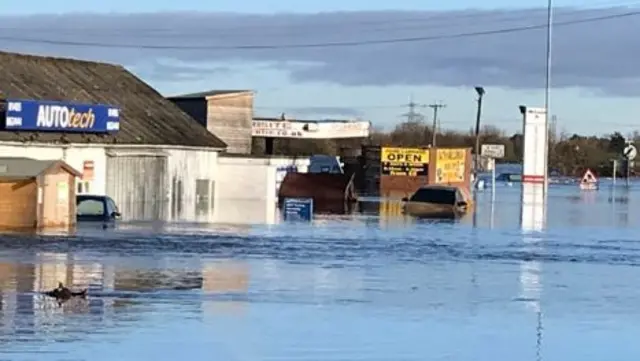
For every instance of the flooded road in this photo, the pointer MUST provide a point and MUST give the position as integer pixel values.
(360, 287)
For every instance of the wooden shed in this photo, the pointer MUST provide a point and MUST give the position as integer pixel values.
(37, 194)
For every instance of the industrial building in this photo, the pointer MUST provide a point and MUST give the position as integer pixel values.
(226, 113)
(126, 139)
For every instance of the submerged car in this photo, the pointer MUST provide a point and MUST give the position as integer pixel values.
(509, 178)
(438, 201)
(96, 208)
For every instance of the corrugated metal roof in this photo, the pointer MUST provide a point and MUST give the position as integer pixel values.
(23, 167)
(146, 117)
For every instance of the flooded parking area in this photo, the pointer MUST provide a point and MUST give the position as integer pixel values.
(372, 285)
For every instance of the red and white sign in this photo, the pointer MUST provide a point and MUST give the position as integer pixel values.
(589, 181)
(87, 170)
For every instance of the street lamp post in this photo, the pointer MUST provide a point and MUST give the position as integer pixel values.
(480, 91)
(547, 91)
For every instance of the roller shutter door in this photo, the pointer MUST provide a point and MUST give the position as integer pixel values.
(138, 185)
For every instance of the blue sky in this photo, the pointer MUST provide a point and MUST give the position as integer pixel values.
(596, 83)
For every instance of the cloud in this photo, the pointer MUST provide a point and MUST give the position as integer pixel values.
(323, 112)
(160, 69)
(600, 56)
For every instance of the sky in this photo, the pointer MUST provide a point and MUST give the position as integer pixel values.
(361, 59)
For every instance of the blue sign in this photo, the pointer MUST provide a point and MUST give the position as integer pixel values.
(63, 117)
(298, 209)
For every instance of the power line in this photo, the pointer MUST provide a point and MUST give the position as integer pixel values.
(517, 14)
(427, 23)
(320, 44)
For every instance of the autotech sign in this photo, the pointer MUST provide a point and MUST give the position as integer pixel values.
(55, 116)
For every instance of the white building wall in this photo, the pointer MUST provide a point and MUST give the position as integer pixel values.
(188, 166)
(242, 191)
(74, 155)
(247, 188)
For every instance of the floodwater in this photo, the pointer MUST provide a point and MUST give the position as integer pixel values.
(354, 287)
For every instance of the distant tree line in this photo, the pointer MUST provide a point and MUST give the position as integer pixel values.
(569, 155)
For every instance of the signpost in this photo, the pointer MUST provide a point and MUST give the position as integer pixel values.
(298, 209)
(629, 153)
(62, 117)
(534, 158)
(493, 152)
(589, 181)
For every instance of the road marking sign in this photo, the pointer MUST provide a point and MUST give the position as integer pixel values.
(630, 152)
(589, 181)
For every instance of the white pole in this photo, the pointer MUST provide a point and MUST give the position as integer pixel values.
(547, 91)
(615, 170)
(493, 211)
(493, 181)
(493, 190)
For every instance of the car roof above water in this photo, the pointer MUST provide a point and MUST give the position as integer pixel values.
(438, 187)
(90, 196)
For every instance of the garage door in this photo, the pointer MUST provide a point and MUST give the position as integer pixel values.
(138, 185)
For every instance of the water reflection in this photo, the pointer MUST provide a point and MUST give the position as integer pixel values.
(226, 277)
(344, 287)
(243, 211)
(28, 315)
(533, 220)
(118, 298)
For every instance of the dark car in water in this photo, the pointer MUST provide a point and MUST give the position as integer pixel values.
(438, 201)
(509, 178)
(96, 208)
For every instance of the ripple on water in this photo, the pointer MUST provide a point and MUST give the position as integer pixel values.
(356, 290)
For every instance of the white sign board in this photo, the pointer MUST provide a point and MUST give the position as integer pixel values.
(534, 160)
(492, 151)
(630, 152)
(310, 130)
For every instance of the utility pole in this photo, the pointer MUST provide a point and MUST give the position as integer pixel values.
(480, 91)
(435, 107)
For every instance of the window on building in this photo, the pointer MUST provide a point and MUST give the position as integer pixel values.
(83, 187)
(203, 197)
(176, 198)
